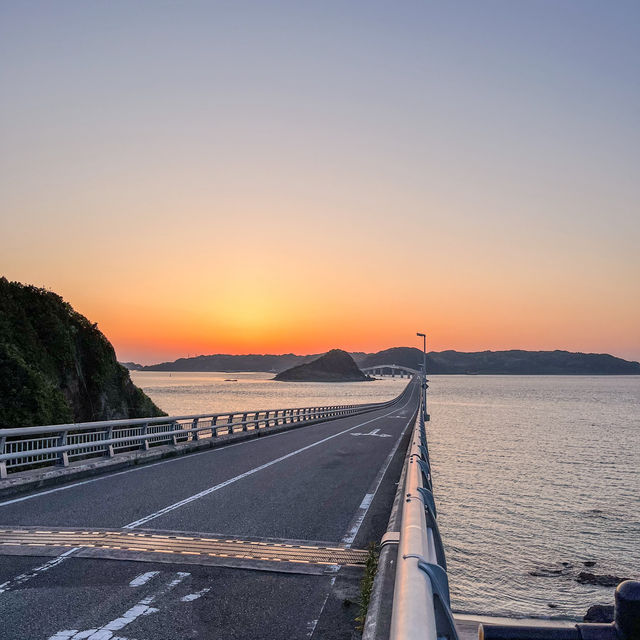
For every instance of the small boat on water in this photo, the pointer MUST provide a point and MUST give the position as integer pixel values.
(231, 379)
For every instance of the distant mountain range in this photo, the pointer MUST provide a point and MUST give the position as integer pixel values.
(444, 362)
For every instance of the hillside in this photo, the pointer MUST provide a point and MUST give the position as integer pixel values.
(507, 362)
(224, 362)
(446, 362)
(56, 366)
(334, 366)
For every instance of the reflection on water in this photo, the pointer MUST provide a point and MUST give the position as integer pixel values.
(185, 393)
(534, 476)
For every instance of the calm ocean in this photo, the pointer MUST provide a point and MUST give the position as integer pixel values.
(532, 475)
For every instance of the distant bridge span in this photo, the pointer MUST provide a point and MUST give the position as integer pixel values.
(390, 370)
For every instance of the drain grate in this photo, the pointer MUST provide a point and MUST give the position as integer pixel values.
(183, 545)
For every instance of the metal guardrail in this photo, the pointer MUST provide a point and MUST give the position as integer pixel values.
(421, 606)
(31, 447)
(625, 625)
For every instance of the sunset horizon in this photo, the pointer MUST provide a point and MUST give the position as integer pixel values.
(470, 172)
(319, 319)
(165, 338)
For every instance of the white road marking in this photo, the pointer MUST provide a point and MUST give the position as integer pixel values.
(23, 577)
(312, 624)
(106, 476)
(141, 608)
(363, 509)
(190, 597)
(143, 467)
(266, 465)
(10, 584)
(143, 578)
(374, 433)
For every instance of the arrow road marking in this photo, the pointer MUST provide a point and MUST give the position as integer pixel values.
(374, 433)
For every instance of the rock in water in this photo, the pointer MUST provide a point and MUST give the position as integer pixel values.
(604, 580)
(57, 367)
(599, 613)
(334, 366)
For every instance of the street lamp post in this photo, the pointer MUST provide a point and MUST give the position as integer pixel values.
(424, 372)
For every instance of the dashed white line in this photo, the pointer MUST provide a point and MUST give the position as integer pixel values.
(23, 577)
(141, 608)
(190, 597)
(143, 578)
(361, 513)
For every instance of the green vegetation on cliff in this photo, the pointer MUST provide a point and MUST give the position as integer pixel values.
(56, 366)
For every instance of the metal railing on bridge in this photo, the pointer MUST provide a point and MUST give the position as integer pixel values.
(421, 606)
(35, 447)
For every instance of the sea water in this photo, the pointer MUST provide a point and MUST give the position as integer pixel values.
(534, 476)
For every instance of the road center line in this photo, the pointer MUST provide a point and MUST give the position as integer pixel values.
(226, 483)
(132, 525)
(143, 467)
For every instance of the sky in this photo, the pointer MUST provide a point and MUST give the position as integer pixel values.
(270, 177)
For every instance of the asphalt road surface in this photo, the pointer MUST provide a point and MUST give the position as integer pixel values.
(172, 550)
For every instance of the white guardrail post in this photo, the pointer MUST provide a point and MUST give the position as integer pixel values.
(51, 445)
(421, 608)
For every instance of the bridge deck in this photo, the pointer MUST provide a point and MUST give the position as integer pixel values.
(310, 498)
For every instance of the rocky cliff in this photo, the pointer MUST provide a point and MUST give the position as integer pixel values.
(56, 366)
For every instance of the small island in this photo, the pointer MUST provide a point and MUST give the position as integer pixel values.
(334, 366)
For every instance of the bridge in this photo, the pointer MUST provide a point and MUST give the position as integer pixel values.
(392, 370)
(254, 524)
(258, 529)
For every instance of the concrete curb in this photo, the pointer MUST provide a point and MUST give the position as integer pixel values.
(40, 478)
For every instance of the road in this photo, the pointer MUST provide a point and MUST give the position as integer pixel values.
(250, 540)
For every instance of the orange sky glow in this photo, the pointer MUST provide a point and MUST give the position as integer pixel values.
(286, 181)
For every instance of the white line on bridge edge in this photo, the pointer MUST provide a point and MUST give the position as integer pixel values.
(226, 483)
(361, 513)
(312, 624)
(363, 509)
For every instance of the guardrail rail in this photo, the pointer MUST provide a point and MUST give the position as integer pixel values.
(53, 445)
(421, 607)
